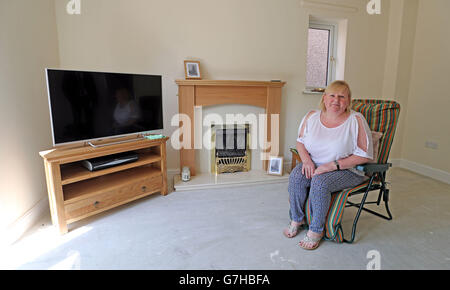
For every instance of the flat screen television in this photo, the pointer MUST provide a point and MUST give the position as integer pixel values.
(87, 106)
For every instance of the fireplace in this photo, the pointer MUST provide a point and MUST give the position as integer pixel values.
(230, 148)
(262, 94)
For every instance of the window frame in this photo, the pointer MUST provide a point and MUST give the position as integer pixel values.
(332, 50)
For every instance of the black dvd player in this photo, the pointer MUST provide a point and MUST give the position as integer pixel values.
(109, 161)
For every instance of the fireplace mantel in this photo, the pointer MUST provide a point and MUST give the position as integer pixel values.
(192, 93)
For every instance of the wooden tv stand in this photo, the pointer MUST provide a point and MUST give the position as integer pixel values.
(75, 193)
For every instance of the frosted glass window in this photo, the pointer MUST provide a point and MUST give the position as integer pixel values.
(321, 52)
(317, 60)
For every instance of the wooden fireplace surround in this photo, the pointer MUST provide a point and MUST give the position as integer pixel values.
(191, 93)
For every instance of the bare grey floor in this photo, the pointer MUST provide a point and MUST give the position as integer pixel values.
(241, 228)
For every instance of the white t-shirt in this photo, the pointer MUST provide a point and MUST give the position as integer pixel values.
(329, 144)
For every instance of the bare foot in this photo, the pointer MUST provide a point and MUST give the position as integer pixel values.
(293, 229)
(311, 240)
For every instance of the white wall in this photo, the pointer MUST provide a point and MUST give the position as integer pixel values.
(28, 43)
(427, 117)
(233, 39)
(399, 60)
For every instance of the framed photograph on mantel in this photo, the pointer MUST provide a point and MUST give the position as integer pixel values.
(192, 70)
(275, 166)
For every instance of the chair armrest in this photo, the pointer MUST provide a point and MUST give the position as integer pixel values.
(374, 167)
(295, 158)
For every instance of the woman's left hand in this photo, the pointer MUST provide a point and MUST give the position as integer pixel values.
(327, 167)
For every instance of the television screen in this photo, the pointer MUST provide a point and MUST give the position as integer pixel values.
(93, 105)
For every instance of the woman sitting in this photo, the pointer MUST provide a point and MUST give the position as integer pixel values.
(331, 142)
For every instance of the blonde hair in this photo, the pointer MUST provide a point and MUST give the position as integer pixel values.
(333, 87)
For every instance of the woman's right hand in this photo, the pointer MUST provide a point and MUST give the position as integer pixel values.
(308, 169)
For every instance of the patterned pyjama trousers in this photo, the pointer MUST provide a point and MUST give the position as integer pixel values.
(319, 189)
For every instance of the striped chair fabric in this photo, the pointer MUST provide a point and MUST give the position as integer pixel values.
(382, 116)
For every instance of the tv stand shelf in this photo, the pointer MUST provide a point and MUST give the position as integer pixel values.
(76, 172)
(76, 193)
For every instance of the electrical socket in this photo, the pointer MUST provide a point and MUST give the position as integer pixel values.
(431, 145)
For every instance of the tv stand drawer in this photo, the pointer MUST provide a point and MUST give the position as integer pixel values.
(114, 197)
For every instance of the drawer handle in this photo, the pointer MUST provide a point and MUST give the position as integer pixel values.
(144, 188)
(96, 203)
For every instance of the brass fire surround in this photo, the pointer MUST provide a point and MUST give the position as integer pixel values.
(230, 164)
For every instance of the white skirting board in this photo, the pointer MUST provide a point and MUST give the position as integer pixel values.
(421, 169)
(16, 230)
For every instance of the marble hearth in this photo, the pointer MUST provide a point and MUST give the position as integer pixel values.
(208, 180)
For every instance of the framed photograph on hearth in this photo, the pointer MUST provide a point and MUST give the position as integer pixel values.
(275, 166)
(192, 70)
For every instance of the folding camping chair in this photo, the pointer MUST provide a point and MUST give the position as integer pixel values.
(382, 117)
